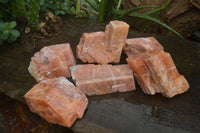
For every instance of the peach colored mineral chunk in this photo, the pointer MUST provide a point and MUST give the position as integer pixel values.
(52, 61)
(99, 54)
(103, 47)
(156, 73)
(138, 45)
(87, 41)
(57, 100)
(116, 33)
(103, 79)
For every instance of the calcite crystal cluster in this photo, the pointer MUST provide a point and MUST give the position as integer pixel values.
(59, 101)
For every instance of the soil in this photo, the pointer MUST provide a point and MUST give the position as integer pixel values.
(49, 28)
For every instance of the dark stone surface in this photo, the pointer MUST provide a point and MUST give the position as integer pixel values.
(119, 112)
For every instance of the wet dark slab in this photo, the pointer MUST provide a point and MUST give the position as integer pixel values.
(119, 112)
(15, 117)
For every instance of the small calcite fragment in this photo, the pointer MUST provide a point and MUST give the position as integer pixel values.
(103, 47)
(139, 45)
(156, 73)
(103, 79)
(57, 100)
(116, 33)
(52, 61)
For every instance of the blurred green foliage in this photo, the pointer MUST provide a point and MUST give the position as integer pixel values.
(21, 10)
(58, 7)
(7, 32)
(102, 10)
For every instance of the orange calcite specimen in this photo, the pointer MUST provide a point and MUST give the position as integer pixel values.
(116, 33)
(103, 48)
(138, 45)
(103, 79)
(57, 100)
(87, 41)
(156, 73)
(51, 62)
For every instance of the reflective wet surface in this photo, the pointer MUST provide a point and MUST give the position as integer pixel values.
(119, 112)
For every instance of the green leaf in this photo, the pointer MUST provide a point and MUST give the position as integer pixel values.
(5, 34)
(7, 25)
(58, 12)
(119, 4)
(3, 1)
(158, 9)
(2, 26)
(124, 13)
(150, 22)
(12, 24)
(142, 16)
(138, 8)
(14, 34)
(93, 4)
(155, 13)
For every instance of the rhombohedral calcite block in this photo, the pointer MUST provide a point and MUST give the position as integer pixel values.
(51, 62)
(156, 73)
(103, 79)
(57, 100)
(143, 44)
